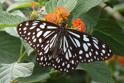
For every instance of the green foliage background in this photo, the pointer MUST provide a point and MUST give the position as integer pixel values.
(17, 59)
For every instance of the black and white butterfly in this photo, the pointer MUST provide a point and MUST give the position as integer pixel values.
(61, 47)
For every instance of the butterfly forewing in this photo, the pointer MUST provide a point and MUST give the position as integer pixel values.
(35, 33)
(62, 48)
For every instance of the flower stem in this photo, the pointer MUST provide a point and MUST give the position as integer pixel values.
(21, 54)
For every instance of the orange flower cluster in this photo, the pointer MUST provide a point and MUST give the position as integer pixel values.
(58, 16)
(79, 25)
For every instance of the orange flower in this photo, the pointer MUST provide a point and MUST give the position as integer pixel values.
(121, 59)
(78, 24)
(52, 17)
(33, 5)
(62, 12)
(58, 16)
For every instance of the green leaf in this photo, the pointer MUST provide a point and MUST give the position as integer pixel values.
(68, 4)
(110, 32)
(40, 74)
(8, 20)
(119, 7)
(91, 18)
(21, 4)
(9, 72)
(28, 48)
(98, 71)
(19, 13)
(51, 5)
(9, 48)
(11, 31)
(84, 6)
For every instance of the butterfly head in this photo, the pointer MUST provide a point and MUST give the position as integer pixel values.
(63, 24)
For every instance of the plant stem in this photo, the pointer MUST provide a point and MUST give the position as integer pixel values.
(115, 14)
(21, 54)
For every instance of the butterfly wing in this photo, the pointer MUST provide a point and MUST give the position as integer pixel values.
(90, 49)
(35, 31)
(38, 34)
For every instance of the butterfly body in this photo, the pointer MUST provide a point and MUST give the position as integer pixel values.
(61, 47)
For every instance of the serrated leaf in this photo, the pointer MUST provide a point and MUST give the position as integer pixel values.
(84, 6)
(98, 71)
(68, 4)
(9, 48)
(9, 72)
(51, 5)
(18, 13)
(110, 32)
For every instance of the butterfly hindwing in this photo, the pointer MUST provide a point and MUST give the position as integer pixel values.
(90, 49)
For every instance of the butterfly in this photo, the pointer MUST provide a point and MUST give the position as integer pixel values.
(61, 47)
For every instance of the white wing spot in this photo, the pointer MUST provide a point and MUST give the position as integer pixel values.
(103, 45)
(80, 57)
(66, 56)
(40, 40)
(80, 52)
(85, 38)
(46, 33)
(96, 53)
(95, 41)
(35, 23)
(29, 33)
(39, 33)
(25, 28)
(88, 44)
(110, 50)
(87, 55)
(27, 24)
(63, 64)
(85, 47)
(77, 42)
(34, 40)
(38, 29)
(103, 51)
(32, 27)
(41, 58)
(20, 25)
(74, 34)
(33, 37)
(90, 53)
(42, 26)
(70, 55)
(68, 65)
(72, 61)
(51, 27)
(96, 45)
